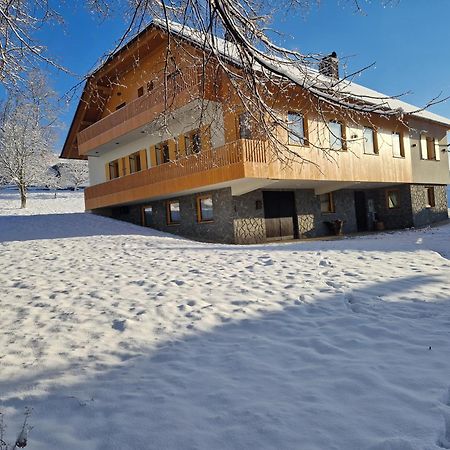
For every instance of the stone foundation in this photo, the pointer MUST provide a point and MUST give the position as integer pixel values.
(240, 219)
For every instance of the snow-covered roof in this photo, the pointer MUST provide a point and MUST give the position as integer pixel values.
(306, 76)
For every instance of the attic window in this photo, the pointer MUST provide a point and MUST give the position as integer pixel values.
(140, 91)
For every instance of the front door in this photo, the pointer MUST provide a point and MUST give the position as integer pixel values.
(361, 210)
(279, 213)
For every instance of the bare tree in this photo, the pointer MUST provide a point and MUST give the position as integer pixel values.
(27, 134)
(74, 173)
(262, 73)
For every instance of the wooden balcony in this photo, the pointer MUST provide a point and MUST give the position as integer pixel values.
(178, 91)
(203, 169)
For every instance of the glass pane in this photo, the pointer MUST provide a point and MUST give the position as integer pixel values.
(396, 148)
(148, 216)
(296, 131)
(369, 147)
(206, 207)
(175, 212)
(245, 130)
(325, 203)
(392, 200)
(335, 135)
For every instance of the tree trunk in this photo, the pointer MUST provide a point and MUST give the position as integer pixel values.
(23, 196)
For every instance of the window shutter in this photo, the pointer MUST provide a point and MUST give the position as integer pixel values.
(437, 150)
(121, 168)
(127, 165)
(143, 156)
(205, 136)
(423, 147)
(172, 149)
(181, 146)
(152, 156)
(107, 172)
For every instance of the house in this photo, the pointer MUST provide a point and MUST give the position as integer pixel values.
(215, 179)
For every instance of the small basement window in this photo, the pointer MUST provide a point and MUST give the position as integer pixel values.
(205, 208)
(173, 212)
(327, 203)
(393, 199)
(147, 216)
(431, 201)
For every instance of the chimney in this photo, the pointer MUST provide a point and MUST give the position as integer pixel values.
(329, 66)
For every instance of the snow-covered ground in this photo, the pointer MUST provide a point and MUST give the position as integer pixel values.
(120, 337)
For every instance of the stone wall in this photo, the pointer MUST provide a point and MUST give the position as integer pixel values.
(249, 223)
(423, 214)
(394, 218)
(311, 220)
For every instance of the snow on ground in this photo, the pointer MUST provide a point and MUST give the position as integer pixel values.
(120, 337)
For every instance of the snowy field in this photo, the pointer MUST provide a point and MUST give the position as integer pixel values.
(120, 337)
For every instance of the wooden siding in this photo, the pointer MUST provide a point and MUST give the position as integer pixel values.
(185, 88)
(244, 159)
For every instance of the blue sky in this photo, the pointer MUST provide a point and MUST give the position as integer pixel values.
(409, 42)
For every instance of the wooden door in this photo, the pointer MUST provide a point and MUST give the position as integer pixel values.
(279, 213)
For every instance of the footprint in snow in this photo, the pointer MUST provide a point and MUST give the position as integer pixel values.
(118, 325)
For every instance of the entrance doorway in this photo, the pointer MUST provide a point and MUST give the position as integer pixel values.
(280, 216)
(361, 211)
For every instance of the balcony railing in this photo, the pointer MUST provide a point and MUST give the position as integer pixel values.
(145, 108)
(230, 155)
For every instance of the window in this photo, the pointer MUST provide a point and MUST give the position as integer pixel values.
(205, 209)
(326, 203)
(150, 86)
(370, 141)
(431, 153)
(120, 106)
(245, 126)
(397, 145)
(162, 153)
(296, 125)
(140, 91)
(393, 199)
(193, 142)
(337, 135)
(135, 162)
(173, 212)
(147, 216)
(431, 201)
(114, 169)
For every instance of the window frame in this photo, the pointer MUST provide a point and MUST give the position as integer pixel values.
(200, 218)
(295, 140)
(249, 127)
(431, 148)
(342, 139)
(114, 164)
(430, 199)
(189, 143)
(136, 157)
(144, 222)
(331, 205)
(401, 144)
(397, 193)
(376, 150)
(169, 218)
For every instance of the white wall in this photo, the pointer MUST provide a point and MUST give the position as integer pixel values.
(182, 121)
